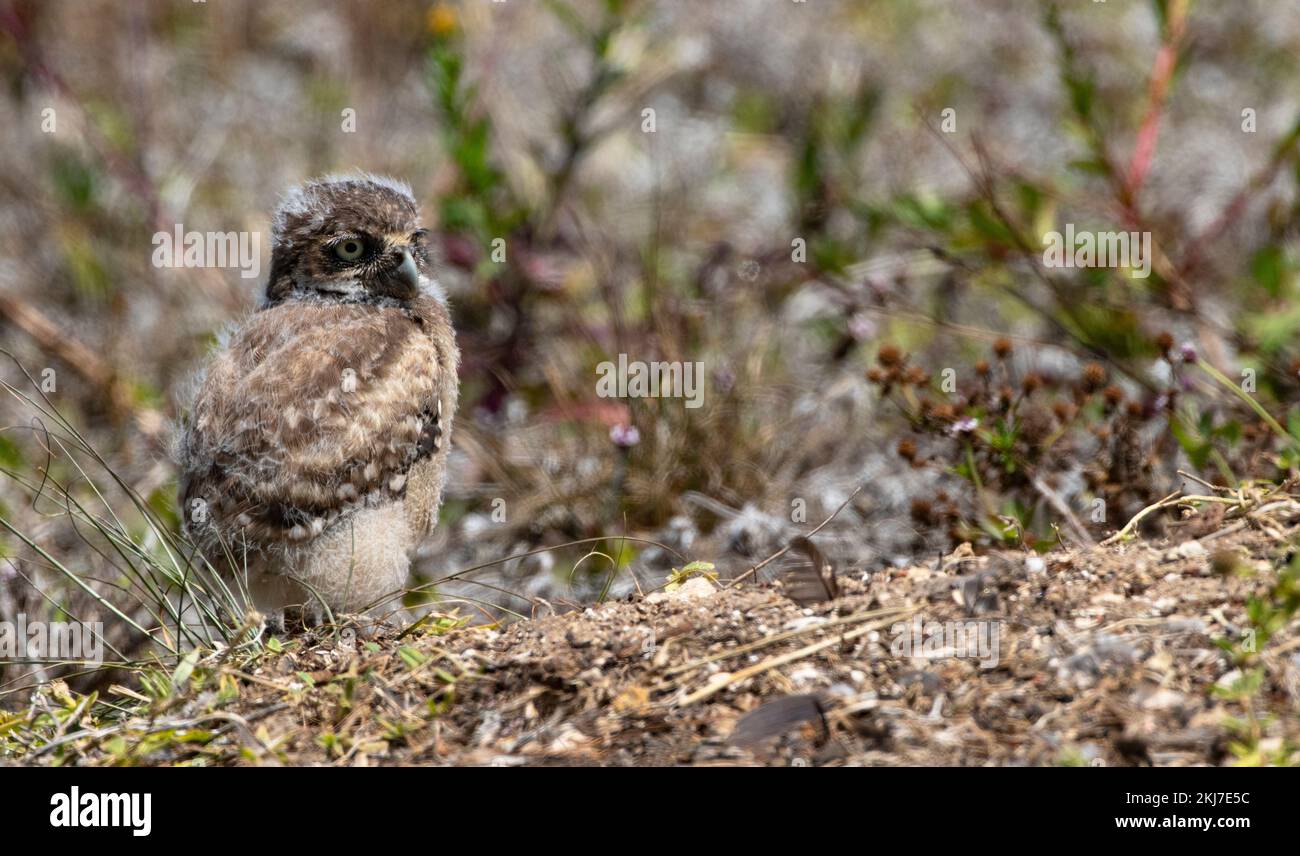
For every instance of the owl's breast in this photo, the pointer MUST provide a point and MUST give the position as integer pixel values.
(316, 410)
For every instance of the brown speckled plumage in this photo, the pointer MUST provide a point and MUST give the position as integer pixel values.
(313, 455)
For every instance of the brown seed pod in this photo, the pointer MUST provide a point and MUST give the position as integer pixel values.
(1035, 425)
(1094, 377)
(889, 356)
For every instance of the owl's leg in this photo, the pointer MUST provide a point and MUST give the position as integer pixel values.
(271, 594)
(358, 565)
(368, 627)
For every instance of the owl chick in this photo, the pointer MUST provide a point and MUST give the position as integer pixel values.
(313, 456)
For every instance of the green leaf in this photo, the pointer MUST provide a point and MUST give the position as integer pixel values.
(923, 211)
(411, 657)
(1293, 422)
(702, 569)
(11, 457)
(75, 182)
(1269, 268)
(184, 669)
(1198, 451)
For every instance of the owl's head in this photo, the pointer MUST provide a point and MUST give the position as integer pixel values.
(353, 238)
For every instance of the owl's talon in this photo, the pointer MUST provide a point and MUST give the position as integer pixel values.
(274, 621)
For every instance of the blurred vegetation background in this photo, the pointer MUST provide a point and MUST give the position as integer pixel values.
(829, 205)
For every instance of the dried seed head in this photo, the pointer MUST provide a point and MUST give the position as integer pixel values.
(1034, 425)
(1002, 348)
(1094, 377)
(889, 356)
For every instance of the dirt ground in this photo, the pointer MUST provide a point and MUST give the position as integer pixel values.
(1104, 657)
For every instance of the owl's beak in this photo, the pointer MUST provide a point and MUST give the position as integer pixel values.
(403, 280)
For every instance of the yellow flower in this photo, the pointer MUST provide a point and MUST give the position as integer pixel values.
(441, 19)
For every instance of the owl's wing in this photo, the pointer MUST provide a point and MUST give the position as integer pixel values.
(312, 411)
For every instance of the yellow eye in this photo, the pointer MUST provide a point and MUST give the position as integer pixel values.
(349, 250)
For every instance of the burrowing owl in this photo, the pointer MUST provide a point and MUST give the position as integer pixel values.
(313, 456)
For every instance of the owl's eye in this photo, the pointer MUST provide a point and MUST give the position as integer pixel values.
(350, 250)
